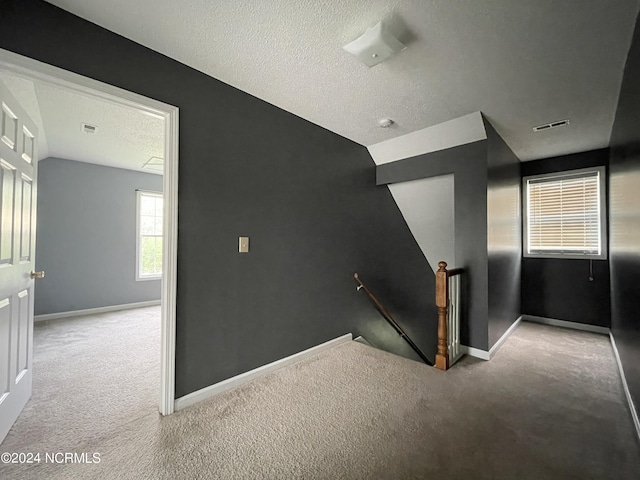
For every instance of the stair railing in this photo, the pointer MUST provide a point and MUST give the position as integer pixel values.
(389, 318)
(448, 303)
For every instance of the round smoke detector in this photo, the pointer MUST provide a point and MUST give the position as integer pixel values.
(385, 122)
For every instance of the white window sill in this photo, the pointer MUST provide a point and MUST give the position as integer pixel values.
(567, 256)
(150, 277)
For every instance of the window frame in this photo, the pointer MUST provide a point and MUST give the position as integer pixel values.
(580, 172)
(139, 276)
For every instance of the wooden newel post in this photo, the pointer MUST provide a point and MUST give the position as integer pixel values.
(442, 296)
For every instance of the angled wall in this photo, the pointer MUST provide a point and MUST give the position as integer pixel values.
(467, 164)
(486, 236)
(428, 202)
(624, 220)
(504, 238)
(86, 236)
(306, 197)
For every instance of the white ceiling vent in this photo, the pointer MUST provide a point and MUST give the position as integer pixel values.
(547, 126)
(87, 128)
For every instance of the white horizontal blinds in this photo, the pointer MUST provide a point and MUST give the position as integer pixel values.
(564, 214)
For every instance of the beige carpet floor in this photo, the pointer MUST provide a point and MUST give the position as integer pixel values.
(91, 376)
(548, 406)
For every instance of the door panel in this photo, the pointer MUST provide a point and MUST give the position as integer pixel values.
(6, 213)
(9, 126)
(5, 348)
(25, 215)
(28, 145)
(18, 155)
(24, 332)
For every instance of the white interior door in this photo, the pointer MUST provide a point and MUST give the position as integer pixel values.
(18, 156)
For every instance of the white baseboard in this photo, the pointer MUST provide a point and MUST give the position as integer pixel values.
(632, 408)
(487, 355)
(93, 311)
(362, 340)
(565, 324)
(474, 352)
(503, 338)
(238, 380)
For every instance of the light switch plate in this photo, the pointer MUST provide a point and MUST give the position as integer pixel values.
(243, 244)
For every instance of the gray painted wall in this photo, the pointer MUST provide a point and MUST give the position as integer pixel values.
(504, 237)
(86, 236)
(624, 219)
(306, 197)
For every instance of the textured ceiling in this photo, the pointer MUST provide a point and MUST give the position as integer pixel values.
(125, 137)
(521, 63)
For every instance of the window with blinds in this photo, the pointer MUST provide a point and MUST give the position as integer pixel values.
(565, 214)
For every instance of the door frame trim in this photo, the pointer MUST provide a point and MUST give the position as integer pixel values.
(35, 70)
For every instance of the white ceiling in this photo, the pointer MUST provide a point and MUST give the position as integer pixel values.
(125, 137)
(521, 63)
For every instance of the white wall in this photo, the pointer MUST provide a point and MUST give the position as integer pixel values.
(427, 207)
(459, 131)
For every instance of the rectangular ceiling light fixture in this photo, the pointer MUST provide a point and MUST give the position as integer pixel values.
(547, 126)
(374, 45)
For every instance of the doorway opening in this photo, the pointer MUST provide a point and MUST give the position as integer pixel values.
(24, 67)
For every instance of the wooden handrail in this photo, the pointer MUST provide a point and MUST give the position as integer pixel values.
(442, 299)
(454, 271)
(389, 318)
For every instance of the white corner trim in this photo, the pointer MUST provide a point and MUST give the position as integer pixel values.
(362, 340)
(238, 380)
(94, 311)
(565, 324)
(459, 131)
(483, 354)
(474, 352)
(503, 338)
(625, 386)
